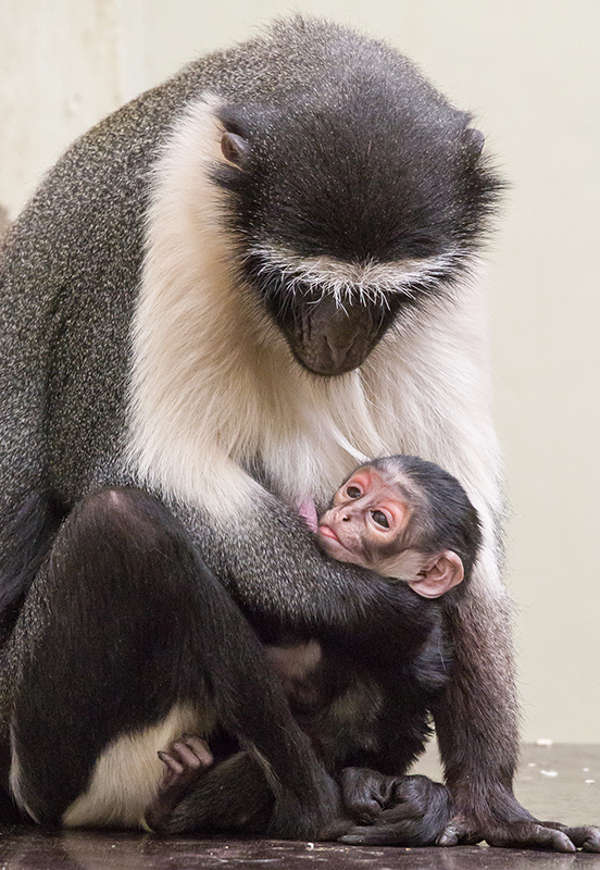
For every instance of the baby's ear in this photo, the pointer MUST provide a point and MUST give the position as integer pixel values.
(438, 575)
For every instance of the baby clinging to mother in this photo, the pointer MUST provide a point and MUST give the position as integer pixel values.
(406, 519)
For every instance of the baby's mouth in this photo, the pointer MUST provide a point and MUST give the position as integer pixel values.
(328, 532)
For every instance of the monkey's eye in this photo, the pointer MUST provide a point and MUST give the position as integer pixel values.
(380, 518)
(353, 492)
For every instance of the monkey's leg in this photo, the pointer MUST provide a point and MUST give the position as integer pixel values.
(125, 641)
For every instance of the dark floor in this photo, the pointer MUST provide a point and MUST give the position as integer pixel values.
(557, 782)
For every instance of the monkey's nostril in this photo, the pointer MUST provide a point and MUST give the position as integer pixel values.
(345, 519)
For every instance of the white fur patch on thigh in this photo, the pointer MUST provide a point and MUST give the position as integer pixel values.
(127, 773)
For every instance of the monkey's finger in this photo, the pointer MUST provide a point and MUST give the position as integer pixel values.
(528, 835)
(187, 756)
(399, 812)
(173, 765)
(586, 837)
(381, 835)
(592, 841)
(450, 836)
(200, 748)
(365, 810)
(361, 836)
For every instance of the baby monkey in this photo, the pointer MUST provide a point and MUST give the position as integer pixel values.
(403, 518)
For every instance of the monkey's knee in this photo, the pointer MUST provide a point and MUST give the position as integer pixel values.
(124, 511)
(123, 534)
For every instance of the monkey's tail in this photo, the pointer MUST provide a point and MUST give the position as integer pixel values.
(27, 537)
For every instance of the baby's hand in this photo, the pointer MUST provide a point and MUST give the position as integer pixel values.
(308, 512)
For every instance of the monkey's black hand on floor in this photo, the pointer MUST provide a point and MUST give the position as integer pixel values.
(394, 810)
(509, 824)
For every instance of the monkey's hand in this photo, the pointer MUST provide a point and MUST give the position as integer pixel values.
(394, 810)
(505, 822)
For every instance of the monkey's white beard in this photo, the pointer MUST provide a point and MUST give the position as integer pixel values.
(214, 386)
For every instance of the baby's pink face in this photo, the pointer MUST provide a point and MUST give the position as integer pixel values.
(366, 521)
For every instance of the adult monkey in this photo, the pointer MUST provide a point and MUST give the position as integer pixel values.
(309, 206)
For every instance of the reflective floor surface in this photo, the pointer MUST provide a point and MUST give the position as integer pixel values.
(557, 782)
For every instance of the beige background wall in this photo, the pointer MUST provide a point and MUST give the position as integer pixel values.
(530, 72)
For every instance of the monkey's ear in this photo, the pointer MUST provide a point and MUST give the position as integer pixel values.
(439, 575)
(235, 148)
(473, 140)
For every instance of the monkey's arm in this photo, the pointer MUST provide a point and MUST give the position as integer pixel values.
(450, 423)
(269, 559)
(476, 724)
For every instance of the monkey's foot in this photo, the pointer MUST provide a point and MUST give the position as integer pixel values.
(393, 810)
(186, 759)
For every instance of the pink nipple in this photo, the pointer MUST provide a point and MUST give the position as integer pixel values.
(308, 512)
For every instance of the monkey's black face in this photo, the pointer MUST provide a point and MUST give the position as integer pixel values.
(351, 206)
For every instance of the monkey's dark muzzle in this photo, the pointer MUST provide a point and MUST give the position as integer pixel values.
(329, 338)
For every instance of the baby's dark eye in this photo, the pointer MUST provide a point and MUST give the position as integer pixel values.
(353, 492)
(380, 518)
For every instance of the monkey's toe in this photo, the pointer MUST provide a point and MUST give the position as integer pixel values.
(186, 757)
(199, 748)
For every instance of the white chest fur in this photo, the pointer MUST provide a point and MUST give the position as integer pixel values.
(214, 387)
